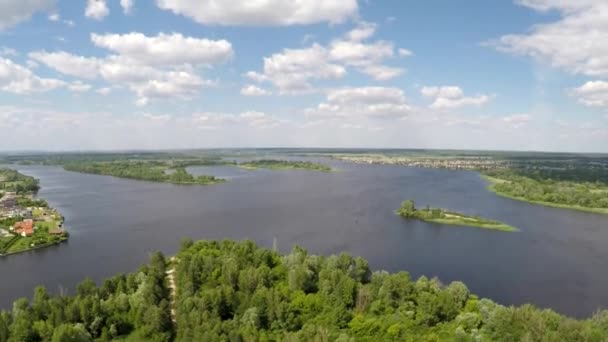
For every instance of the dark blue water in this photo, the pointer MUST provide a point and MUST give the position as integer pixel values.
(557, 260)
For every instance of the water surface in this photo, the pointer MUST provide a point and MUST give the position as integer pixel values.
(557, 260)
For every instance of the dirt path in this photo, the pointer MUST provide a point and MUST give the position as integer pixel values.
(171, 278)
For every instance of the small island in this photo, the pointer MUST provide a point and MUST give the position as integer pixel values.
(437, 215)
(164, 171)
(284, 165)
(26, 222)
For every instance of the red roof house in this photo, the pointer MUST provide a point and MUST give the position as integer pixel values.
(24, 228)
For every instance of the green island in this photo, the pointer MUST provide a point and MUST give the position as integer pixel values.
(437, 215)
(237, 291)
(166, 171)
(273, 164)
(26, 222)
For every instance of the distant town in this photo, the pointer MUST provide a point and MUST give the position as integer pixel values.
(26, 222)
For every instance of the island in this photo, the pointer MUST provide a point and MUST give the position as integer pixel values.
(26, 222)
(165, 171)
(237, 291)
(442, 216)
(284, 165)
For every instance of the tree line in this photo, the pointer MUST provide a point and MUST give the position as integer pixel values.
(236, 291)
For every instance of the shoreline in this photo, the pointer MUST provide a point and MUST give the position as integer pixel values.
(36, 247)
(493, 181)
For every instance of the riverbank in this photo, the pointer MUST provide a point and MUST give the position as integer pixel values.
(26, 223)
(494, 181)
(442, 216)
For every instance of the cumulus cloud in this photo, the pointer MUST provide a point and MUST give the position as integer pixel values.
(364, 102)
(79, 86)
(262, 13)
(17, 79)
(165, 49)
(14, 12)
(252, 90)
(162, 66)
(592, 94)
(293, 70)
(127, 6)
(577, 42)
(516, 120)
(96, 9)
(450, 97)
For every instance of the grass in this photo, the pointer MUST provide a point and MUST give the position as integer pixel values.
(284, 165)
(465, 221)
(494, 181)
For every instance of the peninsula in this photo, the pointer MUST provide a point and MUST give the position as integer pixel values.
(26, 223)
(437, 215)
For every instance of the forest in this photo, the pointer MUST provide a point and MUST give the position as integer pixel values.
(539, 186)
(237, 291)
(149, 170)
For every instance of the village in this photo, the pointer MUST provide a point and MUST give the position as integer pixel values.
(455, 163)
(27, 223)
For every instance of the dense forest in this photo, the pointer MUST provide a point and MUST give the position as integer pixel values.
(151, 170)
(236, 291)
(535, 186)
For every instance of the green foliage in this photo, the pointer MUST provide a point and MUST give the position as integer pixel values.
(148, 170)
(539, 187)
(285, 165)
(13, 181)
(235, 291)
(436, 215)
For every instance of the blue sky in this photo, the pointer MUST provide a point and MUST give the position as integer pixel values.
(118, 74)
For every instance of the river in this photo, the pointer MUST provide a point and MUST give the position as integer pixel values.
(556, 261)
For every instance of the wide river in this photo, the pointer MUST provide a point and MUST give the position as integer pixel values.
(557, 260)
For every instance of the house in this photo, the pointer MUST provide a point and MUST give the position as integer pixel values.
(24, 228)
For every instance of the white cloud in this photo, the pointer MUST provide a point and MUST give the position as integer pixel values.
(516, 120)
(578, 42)
(104, 91)
(208, 120)
(592, 94)
(292, 70)
(157, 117)
(367, 102)
(54, 17)
(262, 13)
(127, 6)
(17, 79)
(13, 12)
(252, 90)
(161, 66)
(96, 9)
(450, 97)
(165, 49)
(79, 86)
(67, 63)
(405, 52)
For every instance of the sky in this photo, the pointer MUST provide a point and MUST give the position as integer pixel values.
(169, 74)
